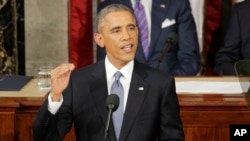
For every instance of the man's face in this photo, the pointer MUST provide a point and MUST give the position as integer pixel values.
(119, 35)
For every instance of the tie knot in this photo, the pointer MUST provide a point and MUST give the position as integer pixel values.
(138, 3)
(117, 75)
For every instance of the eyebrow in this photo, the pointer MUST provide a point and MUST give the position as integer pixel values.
(115, 28)
(118, 27)
(132, 25)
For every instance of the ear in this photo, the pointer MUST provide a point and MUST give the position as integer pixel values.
(99, 39)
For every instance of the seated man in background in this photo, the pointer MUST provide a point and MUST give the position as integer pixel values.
(236, 44)
(161, 19)
(148, 109)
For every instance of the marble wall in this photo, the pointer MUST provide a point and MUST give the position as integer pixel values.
(8, 44)
(46, 33)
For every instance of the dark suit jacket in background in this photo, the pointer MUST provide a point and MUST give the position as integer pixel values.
(149, 113)
(181, 59)
(236, 44)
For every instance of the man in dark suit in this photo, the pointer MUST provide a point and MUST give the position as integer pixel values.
(236, 44)
(151, 108)
(165, 17)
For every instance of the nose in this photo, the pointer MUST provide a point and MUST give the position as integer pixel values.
(125, 35)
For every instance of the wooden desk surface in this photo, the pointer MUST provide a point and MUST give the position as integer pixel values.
(212, 100)
(209, 78)
(29, 91)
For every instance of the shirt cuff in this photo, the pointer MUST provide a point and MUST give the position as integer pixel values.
(53, 107)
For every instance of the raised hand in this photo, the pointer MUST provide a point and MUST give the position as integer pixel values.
(60, 79)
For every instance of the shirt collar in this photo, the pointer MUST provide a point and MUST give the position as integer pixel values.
(126, 70)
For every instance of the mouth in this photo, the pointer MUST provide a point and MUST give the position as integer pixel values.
(127, 48)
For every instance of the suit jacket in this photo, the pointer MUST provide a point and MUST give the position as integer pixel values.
(236, 44)
(168, 16)
(150, 113)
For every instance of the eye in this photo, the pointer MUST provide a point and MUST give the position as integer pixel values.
(116, 30)
(131, 27)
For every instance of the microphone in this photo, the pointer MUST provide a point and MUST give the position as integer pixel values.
(112, 103)
(170, 41)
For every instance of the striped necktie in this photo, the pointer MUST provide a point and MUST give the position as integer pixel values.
(143, 26)
(117, 88)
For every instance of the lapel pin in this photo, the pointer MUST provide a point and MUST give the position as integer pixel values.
(162, 5)
(141, 88)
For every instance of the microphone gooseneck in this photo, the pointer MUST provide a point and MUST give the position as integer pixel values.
(170, 41)
(112, 103)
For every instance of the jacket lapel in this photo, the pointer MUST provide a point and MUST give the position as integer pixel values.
(100, 93)
(158, 15)
(137, 93)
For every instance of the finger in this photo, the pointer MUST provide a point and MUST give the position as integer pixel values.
(62, 70)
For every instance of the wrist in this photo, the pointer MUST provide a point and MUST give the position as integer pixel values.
(55, 97)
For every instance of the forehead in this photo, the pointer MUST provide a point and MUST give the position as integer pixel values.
(119, 17)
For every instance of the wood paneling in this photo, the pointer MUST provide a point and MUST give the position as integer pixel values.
(208, 117)
(25, 116)
(7, 120)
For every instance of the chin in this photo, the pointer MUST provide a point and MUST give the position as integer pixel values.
(128, 59)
